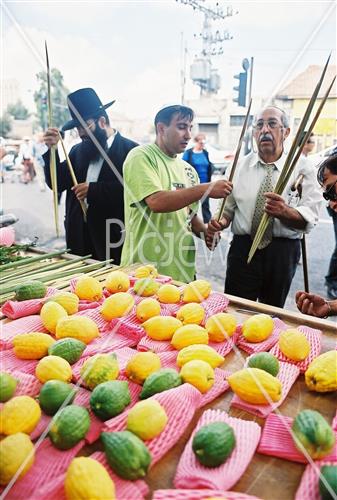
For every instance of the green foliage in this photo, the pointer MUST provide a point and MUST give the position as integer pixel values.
(5, 125)
(58, 99)
(18, 111)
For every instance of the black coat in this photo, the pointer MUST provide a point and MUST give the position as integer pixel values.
(105, 199)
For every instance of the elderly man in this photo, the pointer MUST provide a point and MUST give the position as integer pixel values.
(97, 162)
(309, 303)
(269, 275)
(161, 200)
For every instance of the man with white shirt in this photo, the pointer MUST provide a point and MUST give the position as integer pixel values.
(97, 161)
(269, 275)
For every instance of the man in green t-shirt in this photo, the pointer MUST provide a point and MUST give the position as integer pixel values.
(161, 195)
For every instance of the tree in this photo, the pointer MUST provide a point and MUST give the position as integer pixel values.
(18, 111)
(6, 125)
(58, 99)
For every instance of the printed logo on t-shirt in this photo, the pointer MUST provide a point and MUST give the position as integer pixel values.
(190, 172)
(177, 185)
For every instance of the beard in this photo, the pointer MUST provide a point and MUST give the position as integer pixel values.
(89, 151)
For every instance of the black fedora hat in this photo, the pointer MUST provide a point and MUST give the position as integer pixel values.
(86, 104)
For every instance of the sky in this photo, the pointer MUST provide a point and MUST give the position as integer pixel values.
(131, 51)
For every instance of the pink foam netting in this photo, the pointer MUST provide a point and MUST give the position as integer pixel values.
(267, 344)
(14, 309)
(96, 316)
(148, 344)
(180, 404)
(28, 385)
(200, 495)
(287, 376)
(110, 341)
(308, 488)
(10, 362)
(215, 303)
(220, 386)
(314, 338)
(49, 463)
(17, 326)
(191, 474)
(276, 440)
(334, 422)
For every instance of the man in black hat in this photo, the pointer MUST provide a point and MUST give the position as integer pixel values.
(97, 163)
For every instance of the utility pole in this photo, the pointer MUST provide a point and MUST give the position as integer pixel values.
(183, 55)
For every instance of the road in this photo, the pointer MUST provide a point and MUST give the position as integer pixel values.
(35, 211)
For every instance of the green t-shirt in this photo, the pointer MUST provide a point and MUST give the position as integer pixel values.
(163, 239)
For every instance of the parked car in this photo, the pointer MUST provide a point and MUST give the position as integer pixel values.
(317, 158)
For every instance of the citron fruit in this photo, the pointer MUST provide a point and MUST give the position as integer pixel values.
(15, 450)
(188, 335)
(202, 352)
(69, 301)
(168, 294)
(50, 314)
(199, 374)
(7, 386)
(89, 288)
(117, 281)
(100, 368)
(117, 305)
(255, 386)
(294, 344)
(141, 365)
(220, 326)
(53, 368)
(147, 419)
(196, 291)
(86, 478)
(191, 313)
(265, 361)
(146, 287)
(32, 345)
(19, 414)
(148, 271)
(161, 327)
(258, 327)
(77, 327)
(147, 308)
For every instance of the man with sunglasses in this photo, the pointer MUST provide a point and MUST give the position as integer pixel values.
(269, 275)
(309, 303)
(97, 161)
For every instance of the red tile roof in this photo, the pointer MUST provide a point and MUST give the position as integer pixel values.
(302, 86)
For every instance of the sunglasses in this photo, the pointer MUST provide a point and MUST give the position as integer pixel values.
(330, 194)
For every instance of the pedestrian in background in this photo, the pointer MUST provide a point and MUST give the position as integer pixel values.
(199, 159)
(309, 303)
(26, 158)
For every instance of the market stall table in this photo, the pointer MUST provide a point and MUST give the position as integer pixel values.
(266, 477)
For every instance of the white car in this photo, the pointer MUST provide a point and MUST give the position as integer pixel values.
(317, 158)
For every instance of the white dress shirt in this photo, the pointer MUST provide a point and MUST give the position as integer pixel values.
(95, 167)
(249, 174)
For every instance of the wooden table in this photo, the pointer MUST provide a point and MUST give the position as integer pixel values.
(266, 477)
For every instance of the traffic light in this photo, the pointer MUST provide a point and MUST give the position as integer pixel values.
(241, 89)
(44, 101)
